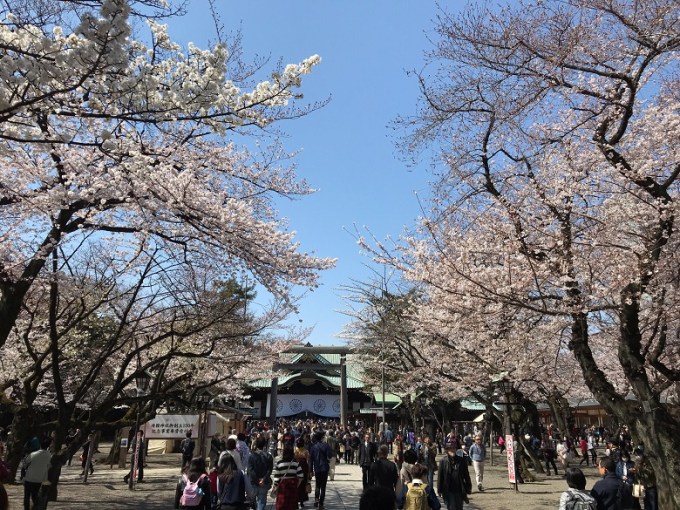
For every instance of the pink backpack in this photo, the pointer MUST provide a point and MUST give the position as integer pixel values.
(192, 495)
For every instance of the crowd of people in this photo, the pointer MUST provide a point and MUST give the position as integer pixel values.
(403, 463)
(626, 475)
(292, 463)
(283, 463)
(249, 468)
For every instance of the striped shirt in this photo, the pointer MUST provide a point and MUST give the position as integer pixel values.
(283, 469)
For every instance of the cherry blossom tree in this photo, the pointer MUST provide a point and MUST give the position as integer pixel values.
(432, 355)
(139, 143)
(383, 341)
(554, 224)
(80, 342)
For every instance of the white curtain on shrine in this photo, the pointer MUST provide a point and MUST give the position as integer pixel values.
(322, 405)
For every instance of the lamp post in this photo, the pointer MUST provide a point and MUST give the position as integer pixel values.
(505, 386)
(384, 416)
(142, 382)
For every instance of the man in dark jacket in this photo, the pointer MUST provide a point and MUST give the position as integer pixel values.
(610, 493)
(260, 466)
(384, 473)
(367, 451)
(187, 449)
(320, 456)
(454, 484)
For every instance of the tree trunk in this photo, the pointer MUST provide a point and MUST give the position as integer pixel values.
(530, 419)
(650, 420)
(410, 406)
(661, 437)
(656, 428)
(440, 424)
(535, 460)
(527, 453)
(114, 452)
(53, 476)
(559, 406)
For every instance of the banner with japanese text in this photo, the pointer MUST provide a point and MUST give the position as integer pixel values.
(509, 448)
(171, 426)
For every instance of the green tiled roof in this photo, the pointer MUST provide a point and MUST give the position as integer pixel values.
(316, 363)
(390, 398)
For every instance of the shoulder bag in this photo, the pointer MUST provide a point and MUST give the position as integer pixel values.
(638, 490)
(275, 488)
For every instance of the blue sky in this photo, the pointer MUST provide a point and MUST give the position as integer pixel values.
(348, 153)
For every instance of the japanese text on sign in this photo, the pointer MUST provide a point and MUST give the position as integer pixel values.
(171, 426)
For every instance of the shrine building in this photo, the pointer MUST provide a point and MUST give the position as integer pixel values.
(315, 383)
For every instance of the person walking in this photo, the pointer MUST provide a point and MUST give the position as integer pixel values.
(549, 454)
(439, 440)
(347, 441)
(610, 493)
(625, 471)
(646, 476)
(333, 445)
(367, 452)
(591, 449)
(84, 455)
(320, 455)
(231, 484)
(243, 449)
(302, 458)
(37, 465)
(399, 455)
(406, 470)
(576, 481)
(454, 484)
(478, 455)
(383, 472)
(216, 447)
(501, 444)
(230, 449)
(187, 448)
(583, 444)
(194, 484)
(355, 443)
(429, 459)
(389, 439)
(287, 477)
(260, 467)
(418, 495)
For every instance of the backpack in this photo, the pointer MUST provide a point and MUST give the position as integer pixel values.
(187, 447)
(580, 501)
(416, 497)
(259, 462)
(192, 495)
